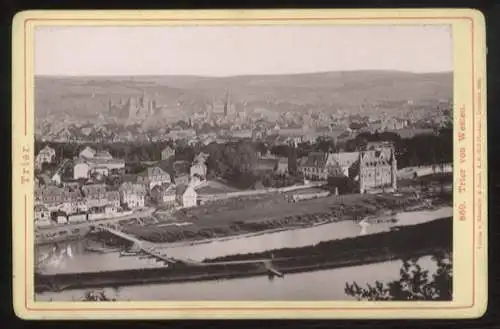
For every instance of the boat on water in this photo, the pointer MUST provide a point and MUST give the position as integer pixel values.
(95, 250)
(128, 253)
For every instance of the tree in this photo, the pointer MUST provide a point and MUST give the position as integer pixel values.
(344, 185)
(414, 283)
(97, 296)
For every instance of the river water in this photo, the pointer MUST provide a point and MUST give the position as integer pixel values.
(309, 286)
(259, 287)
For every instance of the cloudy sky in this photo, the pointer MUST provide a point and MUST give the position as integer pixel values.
(240, 50)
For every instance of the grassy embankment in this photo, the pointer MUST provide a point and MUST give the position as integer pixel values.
(272, 212)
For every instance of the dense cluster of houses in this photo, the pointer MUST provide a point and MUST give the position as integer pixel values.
(85, 198)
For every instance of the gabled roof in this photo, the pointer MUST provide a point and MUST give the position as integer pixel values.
(314, 159)
(103, 154)
(345, 158)
(153, 171)
(135, 188)
(40, 207)
(94, 189)
(168, 149)
(377, 155)
(181, 189)
(88, 148)
(169, 189)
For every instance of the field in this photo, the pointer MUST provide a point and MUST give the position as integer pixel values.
(267, 212)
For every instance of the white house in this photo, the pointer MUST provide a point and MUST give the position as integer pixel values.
(56, 178)
(186, 196)
(81, 169)
(132, 195)
(42, 215)
(167, 153)
(87, 153)
(46, 155)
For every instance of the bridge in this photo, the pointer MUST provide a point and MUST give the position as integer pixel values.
(143, 246)
(149, 249)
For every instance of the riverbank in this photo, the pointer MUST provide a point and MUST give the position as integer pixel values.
(409, 241)
(273, 214)
(76, 231)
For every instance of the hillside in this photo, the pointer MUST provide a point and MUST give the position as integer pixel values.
(86, 97)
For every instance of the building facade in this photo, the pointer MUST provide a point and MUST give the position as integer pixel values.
(164, 194)
(186, 196)
(319, 166)
(167, 153)
(132, 195)
(374, 168)
(46, 155)
(377, 168)
(42, 215)
(153, 176)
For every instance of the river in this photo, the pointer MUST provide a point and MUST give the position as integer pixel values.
(309, 286)
(83, 261)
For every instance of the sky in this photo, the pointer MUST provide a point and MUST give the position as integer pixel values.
(240, 50)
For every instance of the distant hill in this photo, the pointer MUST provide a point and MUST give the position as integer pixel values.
(86, 97)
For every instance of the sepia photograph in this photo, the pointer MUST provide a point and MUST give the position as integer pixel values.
(246, 162)
(262, 163)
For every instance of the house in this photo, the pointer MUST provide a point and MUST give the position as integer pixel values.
(282, 166)
(164, 194)
(152, 177)
(103, 155)
(73, 202)
(60, 217)
(132, 195)
(113, 198)
(56, 198)
(345, 160)
(42, 215)
(167, 153)
(56, 178)
(111, 209)
(198, 169)
(186, 196)
(87, 153)
(95, 194)
(77, 218)
(318, 166)
(81, 170)
(377, 168)
(46, 155)
(110, 164)
(91, 162)
(99, 171)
